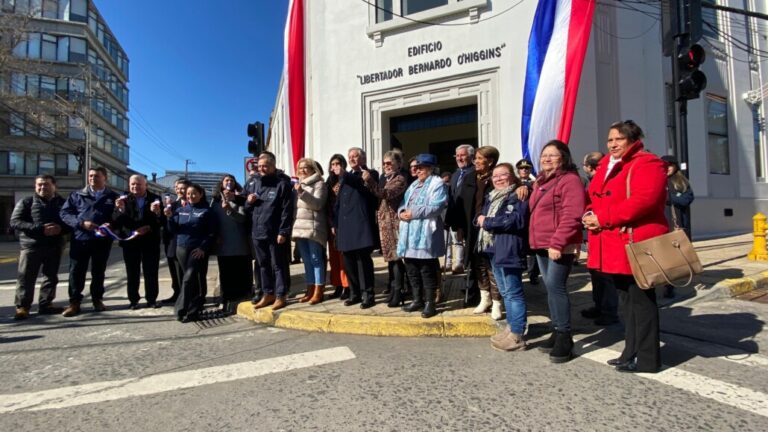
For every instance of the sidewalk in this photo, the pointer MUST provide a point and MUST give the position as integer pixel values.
(727, 273)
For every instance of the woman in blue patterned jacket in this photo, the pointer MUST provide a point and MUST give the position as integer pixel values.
(420, 239)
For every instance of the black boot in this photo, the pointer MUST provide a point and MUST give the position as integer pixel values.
(429, 310)
(429, 303)
(369, 300)
(336, 293)
(396, 299)
(548, 344)
(416, 302)
(563, 349)
(344, 293)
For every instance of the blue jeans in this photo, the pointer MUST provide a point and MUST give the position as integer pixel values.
(510, 283)
(313, 257)
(555, 275)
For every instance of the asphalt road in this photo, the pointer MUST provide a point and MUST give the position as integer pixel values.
(143, 371)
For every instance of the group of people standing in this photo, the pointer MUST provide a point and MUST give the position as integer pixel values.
(500, 217)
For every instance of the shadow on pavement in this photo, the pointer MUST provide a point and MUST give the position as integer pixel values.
(734, 331)
(12, 339)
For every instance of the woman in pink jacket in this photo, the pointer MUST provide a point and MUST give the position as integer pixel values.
(610, 216)
(556, 205)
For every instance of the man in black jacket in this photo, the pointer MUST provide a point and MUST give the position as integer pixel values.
(85, 211)
(41, 237)
(137, 214)
(271, 206)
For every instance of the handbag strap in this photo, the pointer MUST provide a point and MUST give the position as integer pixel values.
(671, 210)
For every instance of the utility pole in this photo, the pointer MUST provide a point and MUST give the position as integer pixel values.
(187, 163)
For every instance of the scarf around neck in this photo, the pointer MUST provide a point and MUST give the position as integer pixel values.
(496, 197)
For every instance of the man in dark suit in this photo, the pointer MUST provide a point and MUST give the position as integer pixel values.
(137, 214)
(461, 212)
(354, 225)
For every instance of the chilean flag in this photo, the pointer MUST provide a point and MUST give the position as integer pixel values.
(556, 49)
(294, 100)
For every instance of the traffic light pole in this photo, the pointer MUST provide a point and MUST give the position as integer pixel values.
(680, 43)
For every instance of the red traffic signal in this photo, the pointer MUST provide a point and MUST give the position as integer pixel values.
(691, 59)
(691, 80)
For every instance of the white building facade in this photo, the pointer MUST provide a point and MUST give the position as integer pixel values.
(452, 72)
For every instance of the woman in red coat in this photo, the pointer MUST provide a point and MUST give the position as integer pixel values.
(609, 217)
(554, 234)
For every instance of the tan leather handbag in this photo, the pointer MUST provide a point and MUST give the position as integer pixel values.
(663, 259)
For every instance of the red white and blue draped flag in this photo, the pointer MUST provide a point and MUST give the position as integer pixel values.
(294, 99)
(556, 49)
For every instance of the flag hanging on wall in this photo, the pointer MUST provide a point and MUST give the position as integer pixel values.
(556, 49)
(294, 100)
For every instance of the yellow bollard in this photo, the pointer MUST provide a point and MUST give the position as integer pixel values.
(759, 252)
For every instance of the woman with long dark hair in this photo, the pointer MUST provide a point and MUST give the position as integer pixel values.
(233, 248)
(338, 277)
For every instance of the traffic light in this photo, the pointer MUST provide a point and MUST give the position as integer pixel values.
(256, 133)
(691, 80)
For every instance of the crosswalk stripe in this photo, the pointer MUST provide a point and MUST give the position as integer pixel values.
(719, 391)
(119, 389)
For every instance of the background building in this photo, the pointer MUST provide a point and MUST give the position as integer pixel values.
(448, 72)
(208, 180)
(63, 96)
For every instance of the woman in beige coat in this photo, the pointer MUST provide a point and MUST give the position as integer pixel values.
(310, 230)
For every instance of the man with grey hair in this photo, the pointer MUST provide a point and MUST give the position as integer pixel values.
(271, 206)
(456, 215)
(137, 216)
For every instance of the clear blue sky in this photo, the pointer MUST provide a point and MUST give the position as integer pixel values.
(200, 71)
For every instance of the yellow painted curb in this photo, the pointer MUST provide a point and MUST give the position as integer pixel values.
(369, 325)
(386, 326)
(469, 326)
(760, 280)
(735, 287)
(307, 321)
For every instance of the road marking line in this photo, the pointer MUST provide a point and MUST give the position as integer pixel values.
(719, 391)
(112, 390)
(711, 350)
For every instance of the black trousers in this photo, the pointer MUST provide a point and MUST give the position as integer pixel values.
(641, 322)
(173, 269)
(422, 273)
(81, 252)
(235, 277)
(193, 285)
(274, 266)
(30, 261)
(359, 267)
(604, 293)
(140, 257)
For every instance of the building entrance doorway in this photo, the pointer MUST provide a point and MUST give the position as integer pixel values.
(436, 131)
